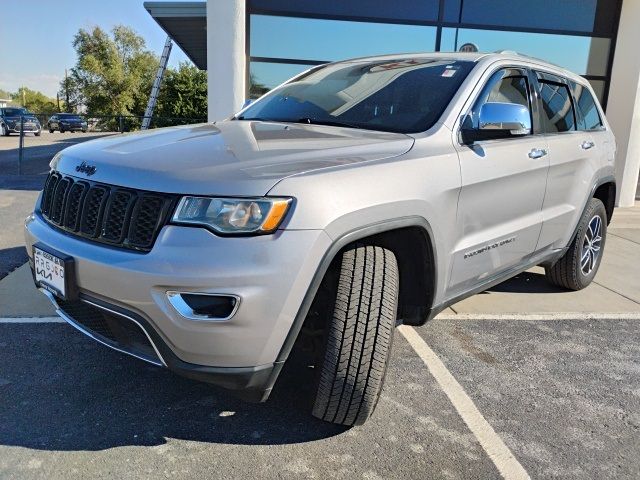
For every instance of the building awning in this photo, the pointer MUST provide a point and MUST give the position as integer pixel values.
(186, 24)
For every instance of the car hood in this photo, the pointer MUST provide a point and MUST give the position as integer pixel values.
(227, 158)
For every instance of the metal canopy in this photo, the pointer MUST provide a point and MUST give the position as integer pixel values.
(186, 24)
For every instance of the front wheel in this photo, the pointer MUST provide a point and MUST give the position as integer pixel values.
(359, 336)
(578, 266)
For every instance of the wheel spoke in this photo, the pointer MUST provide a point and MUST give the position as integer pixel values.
(584, 262)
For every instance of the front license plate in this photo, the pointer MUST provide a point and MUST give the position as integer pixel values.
(49, 272)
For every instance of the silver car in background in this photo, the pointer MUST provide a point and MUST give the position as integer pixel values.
(358, 195)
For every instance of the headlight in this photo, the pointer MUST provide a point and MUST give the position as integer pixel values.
(232, 215)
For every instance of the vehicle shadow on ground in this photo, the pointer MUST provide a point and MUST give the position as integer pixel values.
(527, 282)
(10, 259)
(64, 392)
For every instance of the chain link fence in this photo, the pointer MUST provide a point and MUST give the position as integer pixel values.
(27, 144)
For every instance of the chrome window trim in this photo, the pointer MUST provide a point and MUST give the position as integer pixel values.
(185, 311)
(77, 326)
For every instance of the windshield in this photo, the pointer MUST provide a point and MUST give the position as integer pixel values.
(406, 96)
(13, 112)
(69, 116)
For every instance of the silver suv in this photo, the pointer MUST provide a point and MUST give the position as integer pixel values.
(356, 196)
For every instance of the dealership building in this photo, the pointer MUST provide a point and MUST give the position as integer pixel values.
(250, 46)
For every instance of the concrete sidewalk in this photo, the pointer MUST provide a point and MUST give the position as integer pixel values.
(616, 288)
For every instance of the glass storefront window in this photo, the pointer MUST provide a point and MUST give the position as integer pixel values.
(599, 87)
(314, 39)
(399, 10)
(582, 55)
(570, 15)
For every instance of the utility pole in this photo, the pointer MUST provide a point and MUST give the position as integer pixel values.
(58, 100)
(66, 92)
(155, 89)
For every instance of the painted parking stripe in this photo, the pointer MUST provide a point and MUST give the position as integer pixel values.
(32, 320)
(540, 316)
(498, 452)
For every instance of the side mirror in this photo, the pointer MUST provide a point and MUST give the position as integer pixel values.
(499, 120)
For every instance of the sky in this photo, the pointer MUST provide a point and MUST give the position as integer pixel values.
(36, 36)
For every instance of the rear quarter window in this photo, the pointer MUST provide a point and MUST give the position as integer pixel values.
(589, 116)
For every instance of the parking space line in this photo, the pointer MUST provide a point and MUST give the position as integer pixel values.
(32, 320)
(498, 452)
(540, 316)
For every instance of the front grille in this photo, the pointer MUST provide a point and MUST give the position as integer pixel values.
(113, 330)
(118, 216)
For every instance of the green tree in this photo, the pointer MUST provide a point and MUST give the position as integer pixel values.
(256, 89)
(35, 101)
(113, 73)
(183, 93)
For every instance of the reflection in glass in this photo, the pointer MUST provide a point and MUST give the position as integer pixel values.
(598, 88)
(265, 76)
(590, 117)
(577, 15)
(315, 39)
(558, 113)
(406, 95)
(582, 55)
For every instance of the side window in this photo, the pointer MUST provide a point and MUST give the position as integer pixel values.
(504, 87)
(586, 105)
(557, 108)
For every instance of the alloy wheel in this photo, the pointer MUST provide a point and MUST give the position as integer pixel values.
(591, 245)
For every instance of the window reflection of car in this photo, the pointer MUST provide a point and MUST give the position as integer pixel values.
(11, 118)
(67, 122)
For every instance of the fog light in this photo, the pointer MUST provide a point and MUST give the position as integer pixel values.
(204, 306)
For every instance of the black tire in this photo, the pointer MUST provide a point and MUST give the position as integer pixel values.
(84, 130)
(61, 129)
(568, 271)
(38, 133)
(359, 336)
(51, 130)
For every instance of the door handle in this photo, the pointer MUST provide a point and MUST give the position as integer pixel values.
(586, 145)
(537, 153)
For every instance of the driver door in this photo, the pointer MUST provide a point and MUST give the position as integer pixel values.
(499, 215)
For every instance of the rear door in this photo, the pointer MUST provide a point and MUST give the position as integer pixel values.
(503, 183)
(574, 153)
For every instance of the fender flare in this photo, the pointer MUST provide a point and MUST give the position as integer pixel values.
(333, 250)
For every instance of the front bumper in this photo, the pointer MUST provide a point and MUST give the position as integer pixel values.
(27, 128)
(271, 274)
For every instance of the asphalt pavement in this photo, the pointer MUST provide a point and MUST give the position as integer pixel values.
(510, 383)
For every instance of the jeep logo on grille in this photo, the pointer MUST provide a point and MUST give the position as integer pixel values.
(85, 168)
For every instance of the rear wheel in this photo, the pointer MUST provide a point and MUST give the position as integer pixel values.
(359, 336)
(577, 268)
(61, 129)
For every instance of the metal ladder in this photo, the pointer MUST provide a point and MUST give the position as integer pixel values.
(155, 89)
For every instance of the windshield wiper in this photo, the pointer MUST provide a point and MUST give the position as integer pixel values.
(331, 123)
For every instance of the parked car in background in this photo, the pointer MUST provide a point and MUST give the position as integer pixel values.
(66, 122)
(10, 121)
(354, 197)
